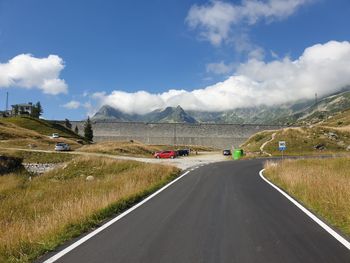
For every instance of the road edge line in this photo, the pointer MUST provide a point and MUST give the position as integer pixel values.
(322, 224)
(109, 223)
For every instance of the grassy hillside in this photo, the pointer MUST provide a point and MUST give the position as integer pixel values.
(42, 127)
(328, 137)
(340, 120)
(62, 203)
(26, 132)
(313, 113)
(320, 184)
(38, 157)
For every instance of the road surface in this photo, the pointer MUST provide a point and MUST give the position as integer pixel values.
(222, 212)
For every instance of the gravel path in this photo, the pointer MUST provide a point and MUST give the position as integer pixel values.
(181, 162)
(265, 143)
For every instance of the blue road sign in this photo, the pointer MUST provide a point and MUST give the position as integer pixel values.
(282, 146)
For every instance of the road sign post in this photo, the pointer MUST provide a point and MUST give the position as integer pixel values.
(282, 147)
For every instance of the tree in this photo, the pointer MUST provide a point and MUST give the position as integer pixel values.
(67, 124)
(37, 110)
(88, 132)
(76, 130)
(16, 110)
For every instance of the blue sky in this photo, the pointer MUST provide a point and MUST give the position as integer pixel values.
(112, 50)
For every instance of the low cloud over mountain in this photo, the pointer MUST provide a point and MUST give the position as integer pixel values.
(321, 69)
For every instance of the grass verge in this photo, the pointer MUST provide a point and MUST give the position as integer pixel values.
(38, 157)
(322, 185)
(62, 204)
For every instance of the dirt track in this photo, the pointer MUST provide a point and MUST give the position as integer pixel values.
(181, 162)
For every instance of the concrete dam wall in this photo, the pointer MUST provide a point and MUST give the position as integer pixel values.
(215, 135)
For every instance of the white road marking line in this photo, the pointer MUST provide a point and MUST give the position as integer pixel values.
(338, 237)
(101, 228)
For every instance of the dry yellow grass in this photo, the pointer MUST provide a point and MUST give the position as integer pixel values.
(12, 131)
(13, 135)
(36, 215)
(253, 144)
(301, 141)
(321, 184)
(339, 120)
(344, 128)
(121, 148)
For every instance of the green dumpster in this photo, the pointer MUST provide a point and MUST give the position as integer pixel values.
(237, 154)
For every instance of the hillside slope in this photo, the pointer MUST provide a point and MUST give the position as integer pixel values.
(327, 137)
(317, 112)
(26, 132)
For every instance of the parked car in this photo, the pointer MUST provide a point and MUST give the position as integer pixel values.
(226, 152)
(61, 146)
(183, 152)
(55, 135)
(165, 154)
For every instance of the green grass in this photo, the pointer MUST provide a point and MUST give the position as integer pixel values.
(28, 133)
(62, 204)
(38, 157)
(42, 127)
(339, 120)
(300, 141)
(254, 142)
(322, 185)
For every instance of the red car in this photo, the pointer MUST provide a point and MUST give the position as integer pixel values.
(165, 154)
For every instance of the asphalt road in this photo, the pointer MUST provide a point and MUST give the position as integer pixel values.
(221, 212)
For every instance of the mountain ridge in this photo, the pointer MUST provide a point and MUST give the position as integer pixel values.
(299, 112)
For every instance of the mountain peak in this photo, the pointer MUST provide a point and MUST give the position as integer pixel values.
(299, 111)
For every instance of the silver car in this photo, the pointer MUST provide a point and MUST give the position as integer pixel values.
(61, 146)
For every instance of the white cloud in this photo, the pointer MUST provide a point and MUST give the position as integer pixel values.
(256, 53)
(26, 71)
(322, 68)
(72, 105)
(220, 68)
(215, 19)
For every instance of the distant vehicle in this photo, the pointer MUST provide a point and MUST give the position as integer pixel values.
(226, 152)
(165, 154)
(183, 152)
(61, 146)
(55, 135)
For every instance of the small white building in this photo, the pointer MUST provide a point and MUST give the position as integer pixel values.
(22, 109)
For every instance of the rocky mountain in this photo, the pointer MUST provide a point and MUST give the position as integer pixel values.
(300, 112)
(109, 113)
(317, 111)
(167, 115)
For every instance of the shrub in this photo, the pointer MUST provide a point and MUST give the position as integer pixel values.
(9, 164)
